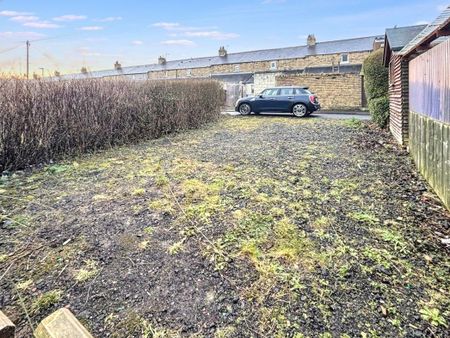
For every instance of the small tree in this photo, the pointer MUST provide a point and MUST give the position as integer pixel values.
(376, 83)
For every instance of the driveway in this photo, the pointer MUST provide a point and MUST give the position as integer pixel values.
(249, 227)
(325, 115)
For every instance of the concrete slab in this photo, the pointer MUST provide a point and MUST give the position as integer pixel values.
(61, 324)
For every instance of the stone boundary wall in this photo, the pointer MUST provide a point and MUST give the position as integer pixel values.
(335, 91)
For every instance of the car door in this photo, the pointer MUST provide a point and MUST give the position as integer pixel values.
(266, 102)
(285, 99)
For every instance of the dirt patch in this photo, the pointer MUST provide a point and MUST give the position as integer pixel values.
(253, 226)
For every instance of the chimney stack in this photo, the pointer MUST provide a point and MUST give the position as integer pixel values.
(117, 66)
(57, 74)
(378, 43)
(84, 70)
(222, 51)
(162, 60)
(311, 41)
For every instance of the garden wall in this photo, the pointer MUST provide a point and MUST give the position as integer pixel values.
(42, 121)
(335, 91)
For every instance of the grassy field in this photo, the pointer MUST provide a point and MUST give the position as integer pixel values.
(249, 227)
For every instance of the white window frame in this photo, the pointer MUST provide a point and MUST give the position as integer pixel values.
(273, 65)
(237, 68)
(188, 72)
(348, 58)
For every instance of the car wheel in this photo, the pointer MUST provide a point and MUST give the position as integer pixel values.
(245, 109)
(299, 110)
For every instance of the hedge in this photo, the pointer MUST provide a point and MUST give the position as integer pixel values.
(376, 76)
(379, 109)
(44, 120)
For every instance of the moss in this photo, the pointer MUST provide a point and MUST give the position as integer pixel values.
(321, 223)
(138, 192)
(364, 217)
(22, 286)
(149, 230)
(132, 324)
(163, 205)
(45, 301)
(3, 258)
(143, 245)
(176, 248)
(225, 332)
(89, 271)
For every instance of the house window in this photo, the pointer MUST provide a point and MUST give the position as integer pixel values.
(273, 65)
(237, 68)
(344, 58)
(188, 72)
(391, 72)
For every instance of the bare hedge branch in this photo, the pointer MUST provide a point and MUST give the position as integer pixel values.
(42, 121)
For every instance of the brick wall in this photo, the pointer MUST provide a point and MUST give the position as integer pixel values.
(335, 91)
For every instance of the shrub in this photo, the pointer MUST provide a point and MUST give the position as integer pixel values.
(379, 108)
(45, 120)
(376, 76)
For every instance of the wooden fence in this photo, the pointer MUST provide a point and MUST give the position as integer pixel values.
(429, 117)
(429, 83)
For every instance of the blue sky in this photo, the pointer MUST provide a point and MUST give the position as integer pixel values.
(69, 34)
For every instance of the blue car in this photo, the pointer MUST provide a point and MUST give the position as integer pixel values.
(296, 100)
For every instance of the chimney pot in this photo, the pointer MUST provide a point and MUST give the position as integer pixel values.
(162, 60)
(117, 66)
(222, 52)
(311, 41)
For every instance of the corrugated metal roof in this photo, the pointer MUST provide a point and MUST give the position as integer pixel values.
(321, 48)
(441, 20)
(398, 37)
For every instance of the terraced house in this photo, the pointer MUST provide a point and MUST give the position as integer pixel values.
(332, 69)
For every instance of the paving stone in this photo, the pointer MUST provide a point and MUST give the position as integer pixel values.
(61, 324)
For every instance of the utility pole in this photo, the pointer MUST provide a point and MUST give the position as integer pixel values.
(42, 69)
(28, 59)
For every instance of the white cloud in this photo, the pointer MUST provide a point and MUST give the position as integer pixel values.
(422, 22)
(70, 17)
(21, 35)
(91, 28)
(215, 35)
(273, 1)
(110, 19)
(24, 18)
(86, 51)
(167, 25)
(137, 42)
(41, 24)
(14, 13)
(182, 42)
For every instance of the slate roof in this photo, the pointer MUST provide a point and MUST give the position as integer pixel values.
(321, 48)
(441, 22)
(398, 37)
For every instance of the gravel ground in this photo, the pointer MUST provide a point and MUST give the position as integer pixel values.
(250, 227)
